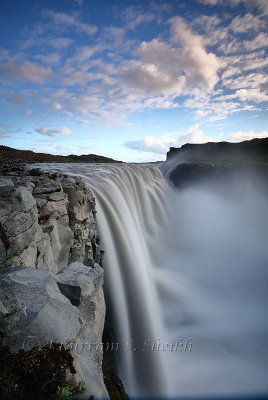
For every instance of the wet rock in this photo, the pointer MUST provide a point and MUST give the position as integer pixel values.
(186, 174)
(35, 172)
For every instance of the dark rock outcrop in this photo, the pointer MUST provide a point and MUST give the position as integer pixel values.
(8, 154)
(217, 163)
(255, 150)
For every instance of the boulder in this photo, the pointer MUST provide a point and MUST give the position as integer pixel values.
(83, 287)
(33, 312)
(39, 312)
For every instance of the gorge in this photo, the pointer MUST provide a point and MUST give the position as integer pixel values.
(185, 270)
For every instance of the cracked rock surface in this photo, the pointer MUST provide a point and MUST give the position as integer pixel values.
(46, 221)
(50, 270)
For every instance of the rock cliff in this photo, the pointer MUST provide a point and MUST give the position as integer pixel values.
(255, 150)
(217, 163)
(50, 270)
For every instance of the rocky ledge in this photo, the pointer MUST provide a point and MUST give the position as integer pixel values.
(51, 272)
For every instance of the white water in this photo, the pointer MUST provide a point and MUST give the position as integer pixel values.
(189, 264)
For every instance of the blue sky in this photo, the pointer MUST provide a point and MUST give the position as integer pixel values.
(128, 79)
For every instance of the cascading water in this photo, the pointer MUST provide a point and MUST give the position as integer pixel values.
(185, 282)
(133, 223)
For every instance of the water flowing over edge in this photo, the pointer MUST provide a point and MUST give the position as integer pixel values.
(163, 265)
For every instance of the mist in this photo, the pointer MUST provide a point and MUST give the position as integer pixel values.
(215, 290)
(186, 264)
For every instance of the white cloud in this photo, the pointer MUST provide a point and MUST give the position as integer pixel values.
(54, 148)
(201, 113)
(135, 15)
(161, 145)
(240, 63)
(241, 136)
(200, 67)
(159, 73)
(231, 46)
(65, 20)
(57, 105)
(43, 130)
(246, 23)
(259, 42)
(33, 72)
(253, 80)
(251, 95)
(243, 24)
(214, 31)
(255, 95)
(210, 2)
(162, 55)
(71, 76)
(173, 70)
(28, 71)
(59, 43)
(261, 4)
(84, 53)
(115, 34)
(18, 99)
(65, 131)
(51, 58)
(217, 107)
(148, 77)
(149, 144)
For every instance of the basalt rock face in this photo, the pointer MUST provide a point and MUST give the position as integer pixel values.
(220, 164)
(46, 221)
(186, 174)
(255, 150)
(50, 274)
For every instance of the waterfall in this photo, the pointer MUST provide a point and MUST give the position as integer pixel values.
(185, 281)
(134, 227)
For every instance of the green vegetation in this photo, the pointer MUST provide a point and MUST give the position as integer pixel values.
(39, 374)
(68, 392)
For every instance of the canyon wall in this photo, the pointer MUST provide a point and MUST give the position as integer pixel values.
(219, 163)
(51, 272)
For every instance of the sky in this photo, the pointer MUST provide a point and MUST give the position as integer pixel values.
(129, 79)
